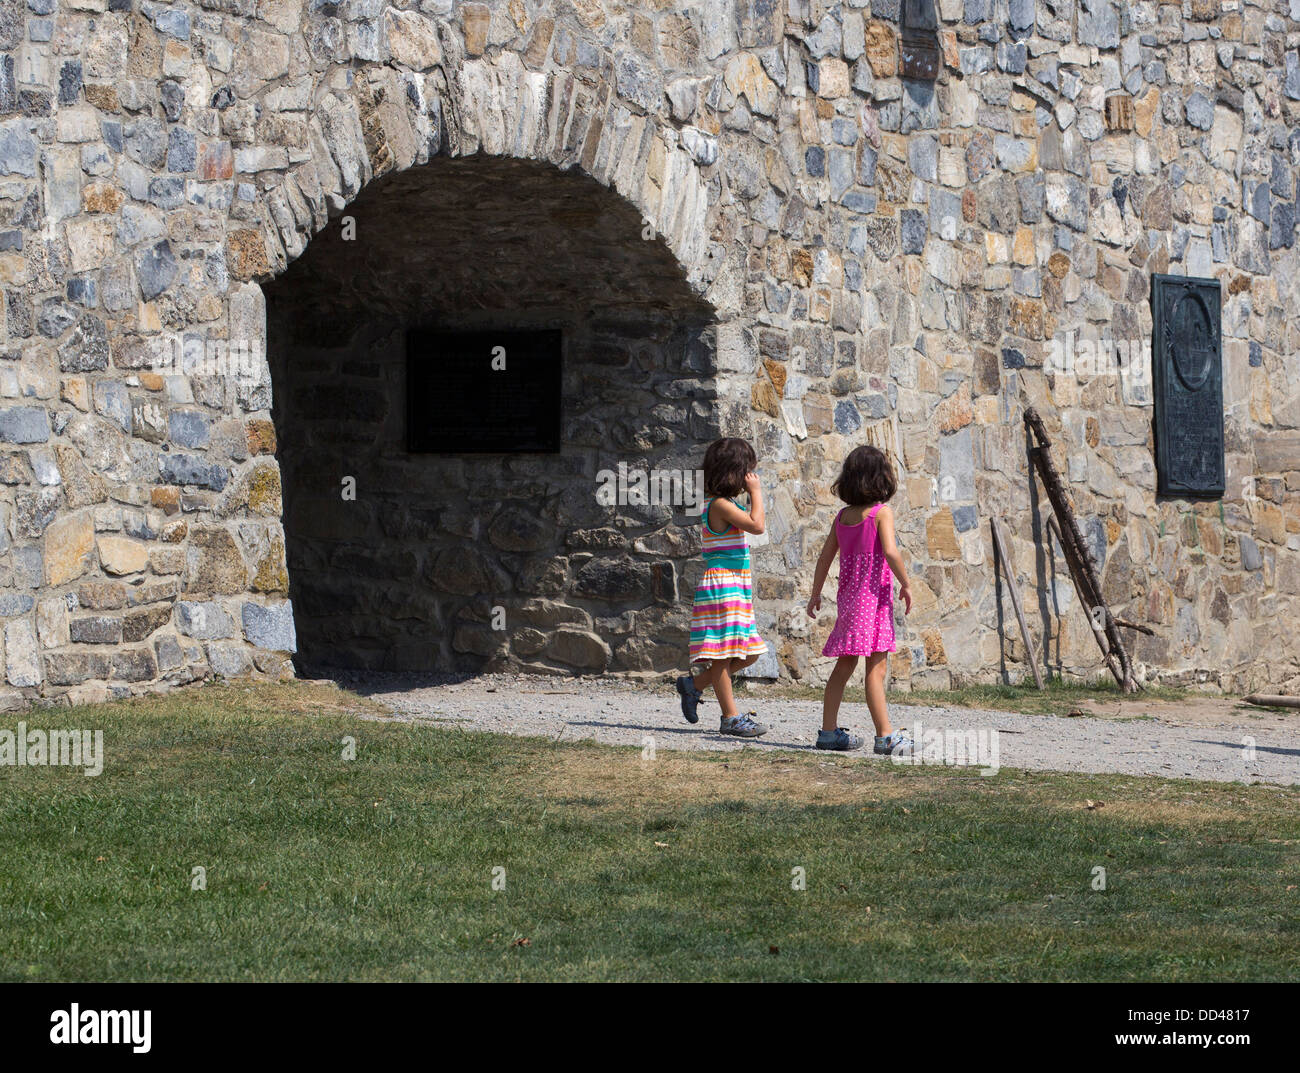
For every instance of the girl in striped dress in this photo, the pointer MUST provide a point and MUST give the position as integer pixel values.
(722, 622)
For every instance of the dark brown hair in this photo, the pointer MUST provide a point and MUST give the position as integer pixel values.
(726, 463)
(865, 478)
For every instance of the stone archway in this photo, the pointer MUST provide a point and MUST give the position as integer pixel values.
(450, 561)
(584, 215)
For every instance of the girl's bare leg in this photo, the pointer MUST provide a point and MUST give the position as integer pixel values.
(703, 680)
(718, 678)
(739, 663)
(834, 692)
(722, 688)
(877, 666)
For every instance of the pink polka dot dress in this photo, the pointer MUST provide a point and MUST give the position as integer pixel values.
(864, 621)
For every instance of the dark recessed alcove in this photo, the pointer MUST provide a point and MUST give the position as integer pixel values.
(408, 559)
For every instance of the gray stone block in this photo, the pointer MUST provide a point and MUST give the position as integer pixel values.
(270, 627)
(24, 424)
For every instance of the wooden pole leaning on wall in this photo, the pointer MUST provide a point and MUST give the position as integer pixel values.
(1273, 700)
(1000, 548)
(1078, 559)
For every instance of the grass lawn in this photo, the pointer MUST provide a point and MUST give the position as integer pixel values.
(680, 867)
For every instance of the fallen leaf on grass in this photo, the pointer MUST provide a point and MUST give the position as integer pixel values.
(773, 949)
(1091, 805)
(522, 941)
(1074, 713)
(662, 845)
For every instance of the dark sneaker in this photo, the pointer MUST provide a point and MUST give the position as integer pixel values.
(690, 698)
(742, 726)
(895, 744)
(838, 739)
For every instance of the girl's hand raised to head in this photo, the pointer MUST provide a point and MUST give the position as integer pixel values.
(751, 484)
(814, 605)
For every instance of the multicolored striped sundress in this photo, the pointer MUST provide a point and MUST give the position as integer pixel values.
(722, 622)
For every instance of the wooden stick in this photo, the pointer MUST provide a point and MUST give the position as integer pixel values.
(1077, 557)
(1000, 546)
(1273, 700)
(1125, 624)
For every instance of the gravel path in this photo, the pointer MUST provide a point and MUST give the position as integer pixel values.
(622, 713)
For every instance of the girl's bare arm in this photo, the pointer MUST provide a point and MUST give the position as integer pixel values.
(824, 560)
(889, 541)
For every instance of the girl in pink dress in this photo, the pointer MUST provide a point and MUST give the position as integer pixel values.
(863, 537)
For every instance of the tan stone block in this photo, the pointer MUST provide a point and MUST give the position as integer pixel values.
(935, 654)
(52, 622)
(775, 370)
(881, 49)
(101, 197)
(103, 97)
(120, 556)
(216, 161)
(995, 247)
(166, 498)
(955, 412)
(952, 167)
(169, 560)
(744, 76)
(264, 492)
(833, 78)
(1120, 112)
(413, 39)
(246, 254)
(762, 397)
(81, 486)
(271, 574)
(213, 563)
(76, 391)
(801, 267)
(261, 437)
(948, 46)
(1022, 251)
(478, 20)
(941, 535)
(91, 242)
(69, 543)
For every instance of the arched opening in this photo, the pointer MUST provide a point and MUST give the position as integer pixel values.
(461, 559)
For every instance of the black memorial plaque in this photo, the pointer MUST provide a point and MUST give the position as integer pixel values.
(1187, 377)
(476, 392)
(918, 41)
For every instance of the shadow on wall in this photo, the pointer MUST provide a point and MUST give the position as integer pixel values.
(470, 561)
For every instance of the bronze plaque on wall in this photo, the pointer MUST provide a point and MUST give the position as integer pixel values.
(918, 41)
(1187, 378)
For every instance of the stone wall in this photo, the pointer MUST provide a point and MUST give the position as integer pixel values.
(882, 258)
